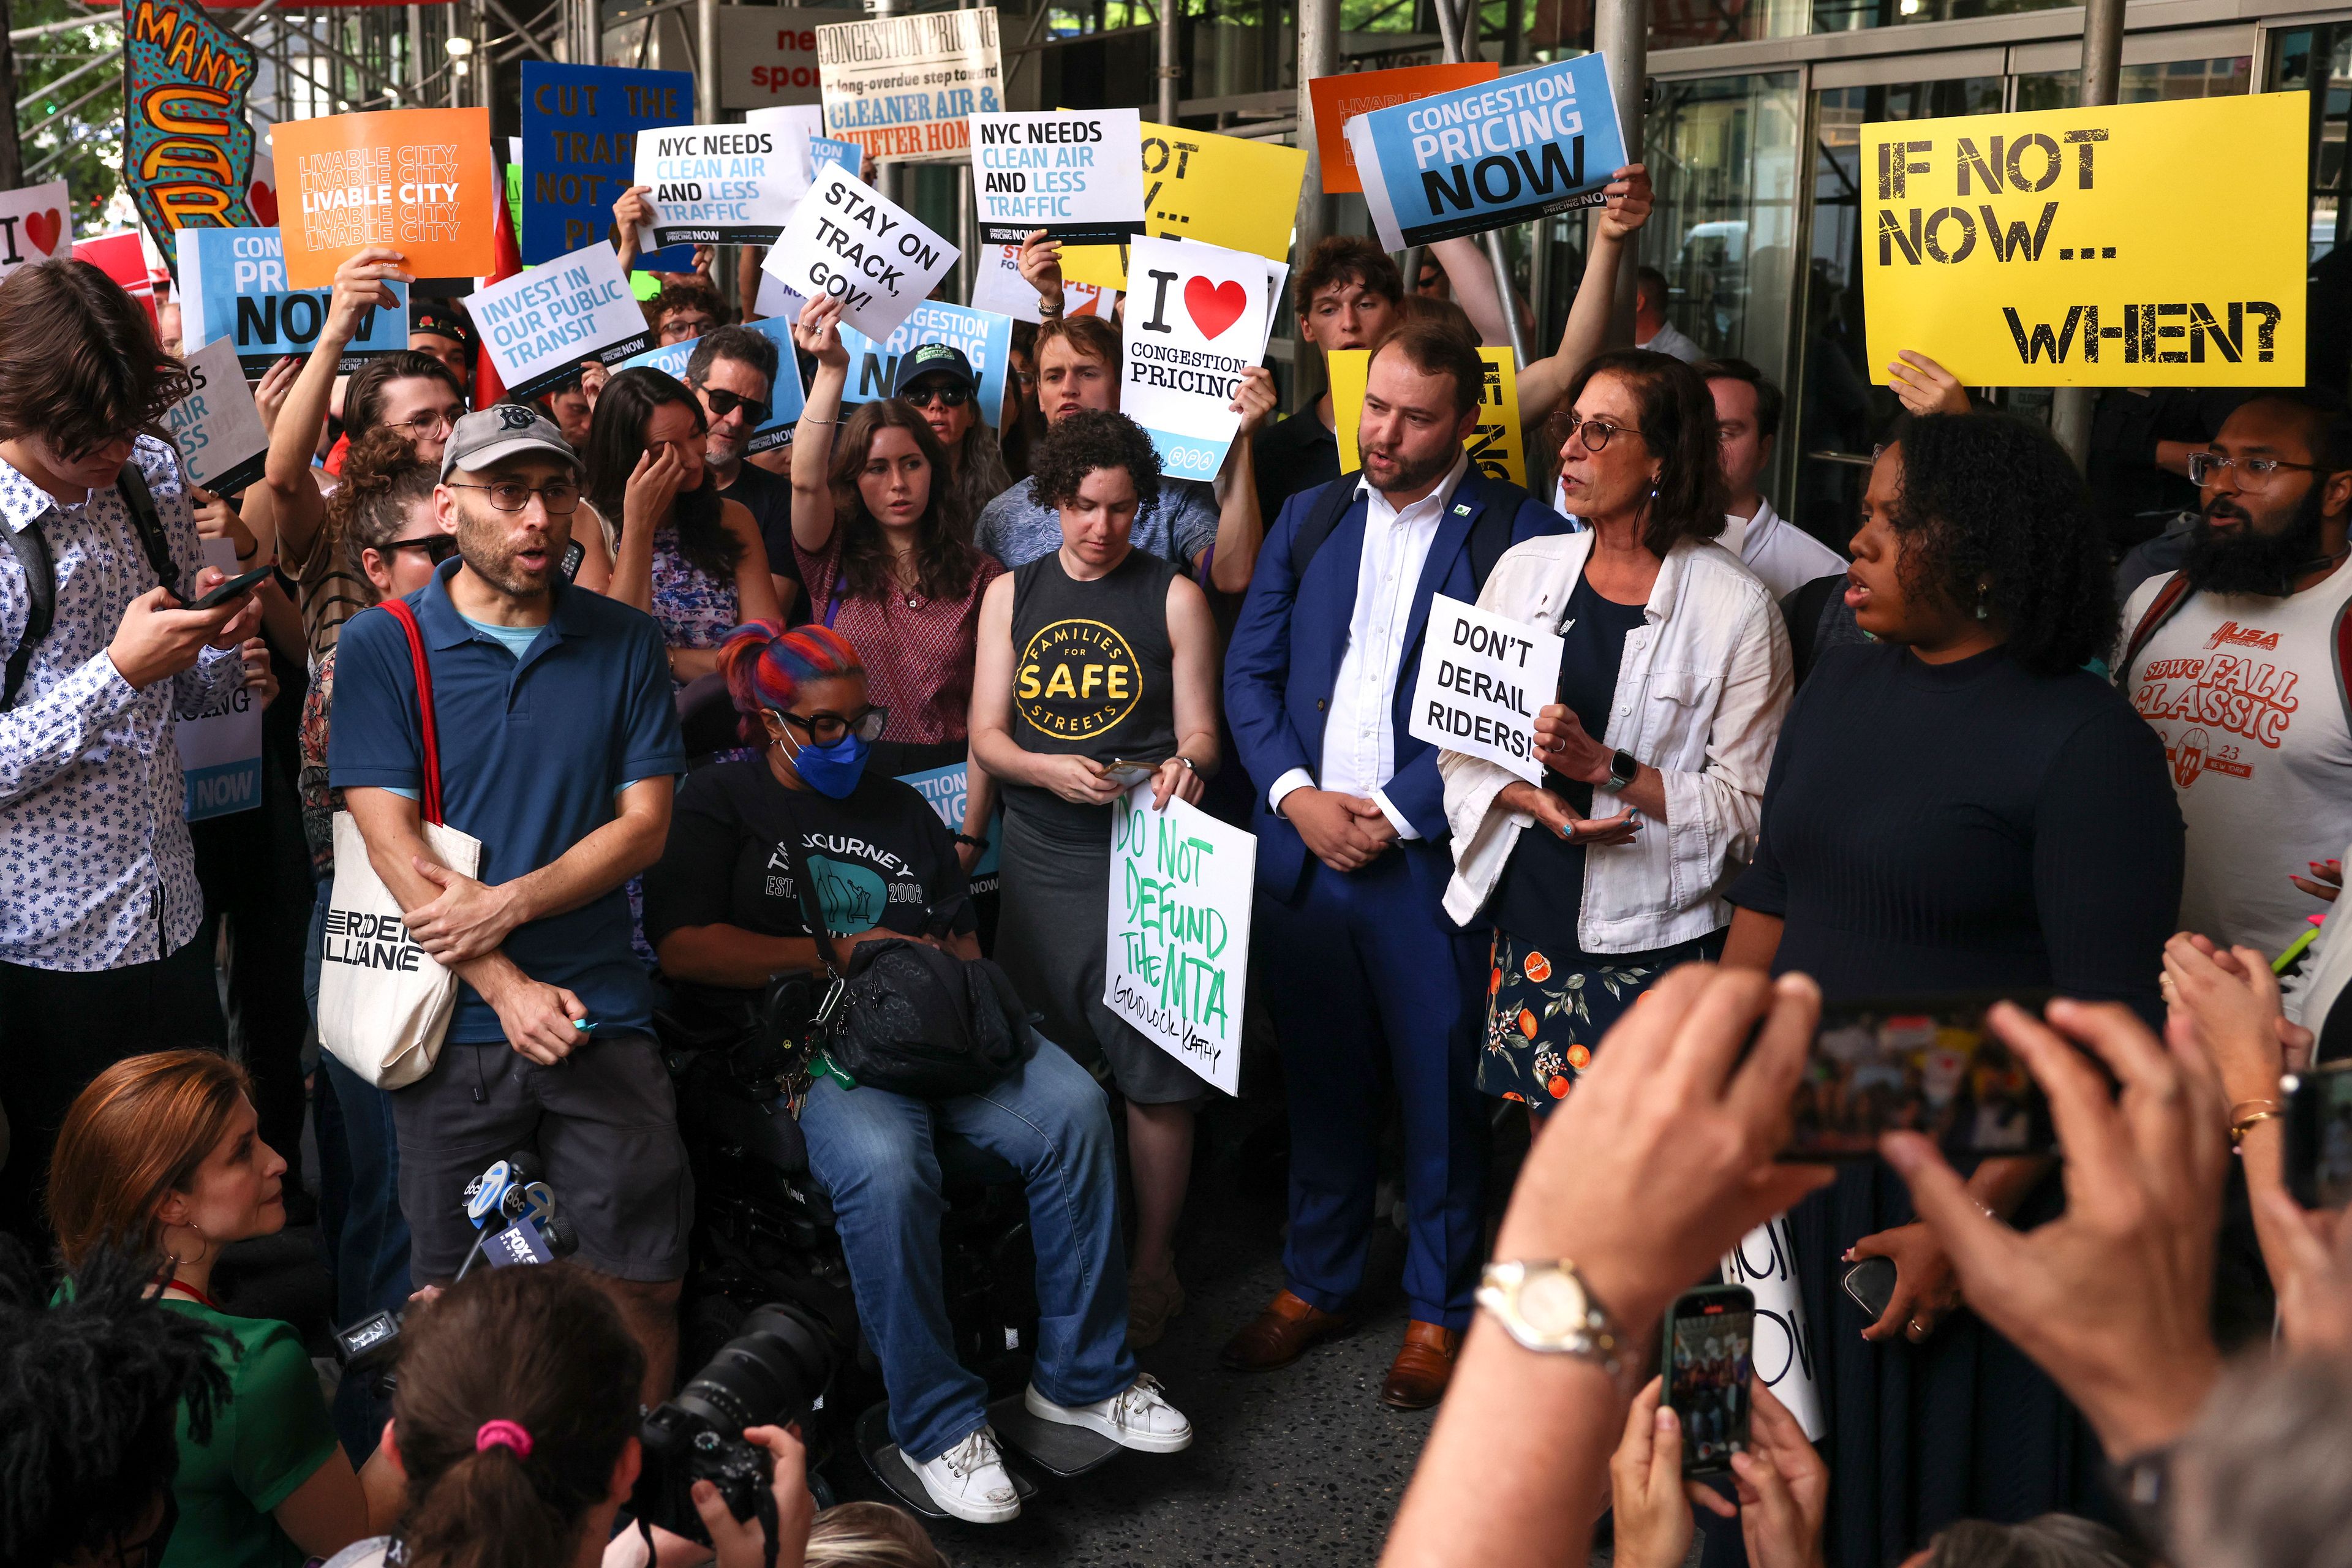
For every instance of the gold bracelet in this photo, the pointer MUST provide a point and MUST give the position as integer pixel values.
(2243, 1106)
(2239, 1128)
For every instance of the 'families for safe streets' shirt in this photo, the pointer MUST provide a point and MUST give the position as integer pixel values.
(878, 857)
(2245, 692)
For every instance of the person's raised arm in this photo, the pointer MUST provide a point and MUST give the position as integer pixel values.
(1241, 525)
(1041, 264)
(1543, 384)
(631, 214)
(1473, 275)
(1650, 1172)
(817, 333)
(361, 284)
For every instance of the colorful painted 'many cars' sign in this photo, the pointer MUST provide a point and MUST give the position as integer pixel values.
(187, 148)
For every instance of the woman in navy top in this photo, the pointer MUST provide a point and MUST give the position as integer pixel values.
(1958, 805)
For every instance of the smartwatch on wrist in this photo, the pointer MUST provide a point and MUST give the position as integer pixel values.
(1623, 769)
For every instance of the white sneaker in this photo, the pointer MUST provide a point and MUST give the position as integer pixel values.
(969, 1481)
(1139, 1418)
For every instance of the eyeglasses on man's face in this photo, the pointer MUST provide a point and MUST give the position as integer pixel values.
(2253, 473)
(824, 729)
(683, 329)
(560, 497)
(722, 402)
(430, 425)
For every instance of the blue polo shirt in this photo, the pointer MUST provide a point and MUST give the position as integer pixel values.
(533, 750)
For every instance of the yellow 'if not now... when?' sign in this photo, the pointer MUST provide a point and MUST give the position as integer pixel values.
(2140, 245)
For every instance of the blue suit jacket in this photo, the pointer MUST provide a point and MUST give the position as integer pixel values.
(1286, 653)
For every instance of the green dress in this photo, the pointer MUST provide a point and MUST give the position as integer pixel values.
(271, 1436)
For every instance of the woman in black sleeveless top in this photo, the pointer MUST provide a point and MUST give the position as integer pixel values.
(1095, 654)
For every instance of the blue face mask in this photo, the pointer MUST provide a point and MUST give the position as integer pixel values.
(831, 770)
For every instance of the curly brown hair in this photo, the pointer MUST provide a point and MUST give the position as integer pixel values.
(1089, 440)
(383, 482)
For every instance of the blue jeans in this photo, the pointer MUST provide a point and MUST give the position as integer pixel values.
(873, 1152)
(362, 1229)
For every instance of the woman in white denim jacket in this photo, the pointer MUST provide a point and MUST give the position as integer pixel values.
(1674, 677)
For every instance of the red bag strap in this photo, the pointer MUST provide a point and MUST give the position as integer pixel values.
(431, 806)
(2161, 609)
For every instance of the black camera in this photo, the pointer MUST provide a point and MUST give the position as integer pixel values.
(768, 1375)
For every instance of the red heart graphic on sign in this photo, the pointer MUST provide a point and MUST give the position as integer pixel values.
(264, 203)
(44, 229)
(1213, 306)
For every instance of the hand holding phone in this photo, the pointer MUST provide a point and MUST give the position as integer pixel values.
(1128, 774)
(236, 587)
(1918, 1064)
(1708, 1351)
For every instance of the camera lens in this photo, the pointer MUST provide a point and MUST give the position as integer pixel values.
(768, 1375)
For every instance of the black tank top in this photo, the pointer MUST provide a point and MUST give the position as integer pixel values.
(1091, 672)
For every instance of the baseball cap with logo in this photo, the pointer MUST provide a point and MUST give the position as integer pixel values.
(504, 430)
(933, 359)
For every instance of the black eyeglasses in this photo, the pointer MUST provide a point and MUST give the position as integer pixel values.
(945, 396)
(561, 497)
(824, 729)
(437, 547)
(1595, 433)
(723, 403)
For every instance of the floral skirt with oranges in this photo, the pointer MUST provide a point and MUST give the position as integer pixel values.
(1546, 1012)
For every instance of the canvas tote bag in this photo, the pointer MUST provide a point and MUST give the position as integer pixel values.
(384, 1003)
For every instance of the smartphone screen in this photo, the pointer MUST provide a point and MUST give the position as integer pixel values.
(1921, 1064)
(2319, 1137)
(1711, 1337)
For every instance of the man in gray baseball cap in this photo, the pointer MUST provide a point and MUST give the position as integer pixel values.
(558, 748)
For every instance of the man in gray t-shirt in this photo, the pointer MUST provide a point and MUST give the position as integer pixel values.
(1177, 525)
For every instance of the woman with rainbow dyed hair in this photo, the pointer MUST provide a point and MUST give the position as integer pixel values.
(724, 915)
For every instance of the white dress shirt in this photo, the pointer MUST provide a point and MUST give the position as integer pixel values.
(1673, 339)
(1782, 555)
(1359, 730)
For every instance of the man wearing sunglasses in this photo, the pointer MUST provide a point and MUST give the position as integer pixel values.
(559, 747)
(733, 373)
(2238, 660)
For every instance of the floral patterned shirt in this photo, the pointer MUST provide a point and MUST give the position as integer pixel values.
(93, 814)
(695, 609)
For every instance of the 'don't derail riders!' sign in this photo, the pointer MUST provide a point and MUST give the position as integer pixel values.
(187, 148)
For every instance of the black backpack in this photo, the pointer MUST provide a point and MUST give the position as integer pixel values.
(41, 572)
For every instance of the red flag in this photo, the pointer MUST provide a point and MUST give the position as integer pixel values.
(487, 387)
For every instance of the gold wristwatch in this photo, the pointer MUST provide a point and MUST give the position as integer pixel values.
(1547, 1307)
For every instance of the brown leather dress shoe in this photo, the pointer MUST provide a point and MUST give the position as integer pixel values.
(1423, 1367)
(1278, 1335)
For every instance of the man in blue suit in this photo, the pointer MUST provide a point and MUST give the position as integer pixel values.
(1369, 981)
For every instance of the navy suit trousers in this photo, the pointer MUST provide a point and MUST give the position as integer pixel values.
(1371, 984)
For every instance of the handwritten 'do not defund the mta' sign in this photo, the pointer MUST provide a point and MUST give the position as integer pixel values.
(1177, 962)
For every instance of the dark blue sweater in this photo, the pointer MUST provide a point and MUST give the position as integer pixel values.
(1967, 826)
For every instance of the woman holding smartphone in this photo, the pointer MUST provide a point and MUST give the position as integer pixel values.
(1957, 806)
(1096, 655)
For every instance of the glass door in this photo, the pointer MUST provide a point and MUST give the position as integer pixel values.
(1841, 405)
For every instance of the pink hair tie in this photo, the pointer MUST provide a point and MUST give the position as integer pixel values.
(502, 1434)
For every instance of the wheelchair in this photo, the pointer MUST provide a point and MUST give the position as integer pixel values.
(764, 1231)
